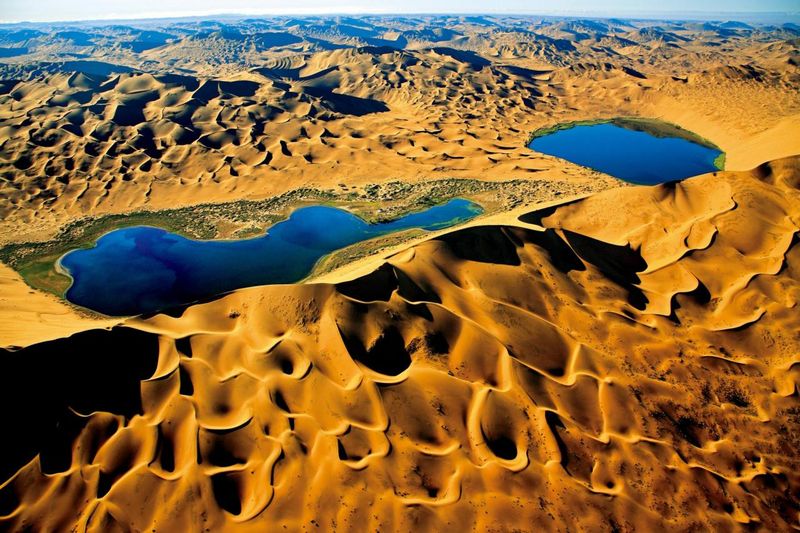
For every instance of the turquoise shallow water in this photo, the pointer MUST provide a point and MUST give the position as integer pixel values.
(633, 156)
(143, 269)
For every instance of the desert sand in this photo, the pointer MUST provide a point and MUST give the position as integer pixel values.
(550, 374)
(594, 356)
(167, 126)
(178, 114)
(28, 316)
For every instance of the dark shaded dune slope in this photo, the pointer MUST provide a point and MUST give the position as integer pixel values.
(494, 377)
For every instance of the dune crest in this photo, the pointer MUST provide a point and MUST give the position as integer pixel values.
(205, 111)
(556, 373)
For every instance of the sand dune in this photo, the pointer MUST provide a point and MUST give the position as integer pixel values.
(187, 113)
(557, 372)
(625, 360)
(28, 316)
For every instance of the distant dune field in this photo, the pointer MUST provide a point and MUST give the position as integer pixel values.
(181, 114)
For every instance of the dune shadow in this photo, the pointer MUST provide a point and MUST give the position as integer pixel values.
(97, 68)
(536, 217)
(387, 355)
(464, 56)
(484, 244)
(620, 264)
(346, 104)
(41, 385)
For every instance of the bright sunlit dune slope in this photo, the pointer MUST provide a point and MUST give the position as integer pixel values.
(625, 362)
(28, 316)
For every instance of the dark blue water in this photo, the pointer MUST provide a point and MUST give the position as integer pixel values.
(633, 156)
(143, 269)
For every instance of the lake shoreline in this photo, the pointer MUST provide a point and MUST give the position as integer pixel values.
(641, 152)
(655, 127)
(35, 261)
(145, 269)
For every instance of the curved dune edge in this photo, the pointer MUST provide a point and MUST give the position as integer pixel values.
(115, 143)
(28, 316)
(640, 373)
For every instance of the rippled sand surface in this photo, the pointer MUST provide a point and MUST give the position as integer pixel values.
(564, 371)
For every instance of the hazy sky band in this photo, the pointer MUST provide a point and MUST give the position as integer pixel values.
(63, 10)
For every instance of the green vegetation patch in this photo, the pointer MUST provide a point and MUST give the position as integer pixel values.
(719, 161)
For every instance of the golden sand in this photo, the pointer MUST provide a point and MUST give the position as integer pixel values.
(552, 374)
(28, 316)
(623, 361)
(78, 144)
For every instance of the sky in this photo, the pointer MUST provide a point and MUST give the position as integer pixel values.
(63, 10)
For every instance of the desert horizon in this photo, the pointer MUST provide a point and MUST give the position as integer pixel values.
(389, 272)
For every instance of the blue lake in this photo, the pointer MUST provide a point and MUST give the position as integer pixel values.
(144, 269)
(633, 156)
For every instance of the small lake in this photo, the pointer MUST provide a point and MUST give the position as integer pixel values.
(627, 154)
(143, 269)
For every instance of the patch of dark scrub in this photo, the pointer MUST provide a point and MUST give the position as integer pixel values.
(688, 428)
(729, 392)
(729, 367)
(685, 425)
(784, 499)
(434, 343)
